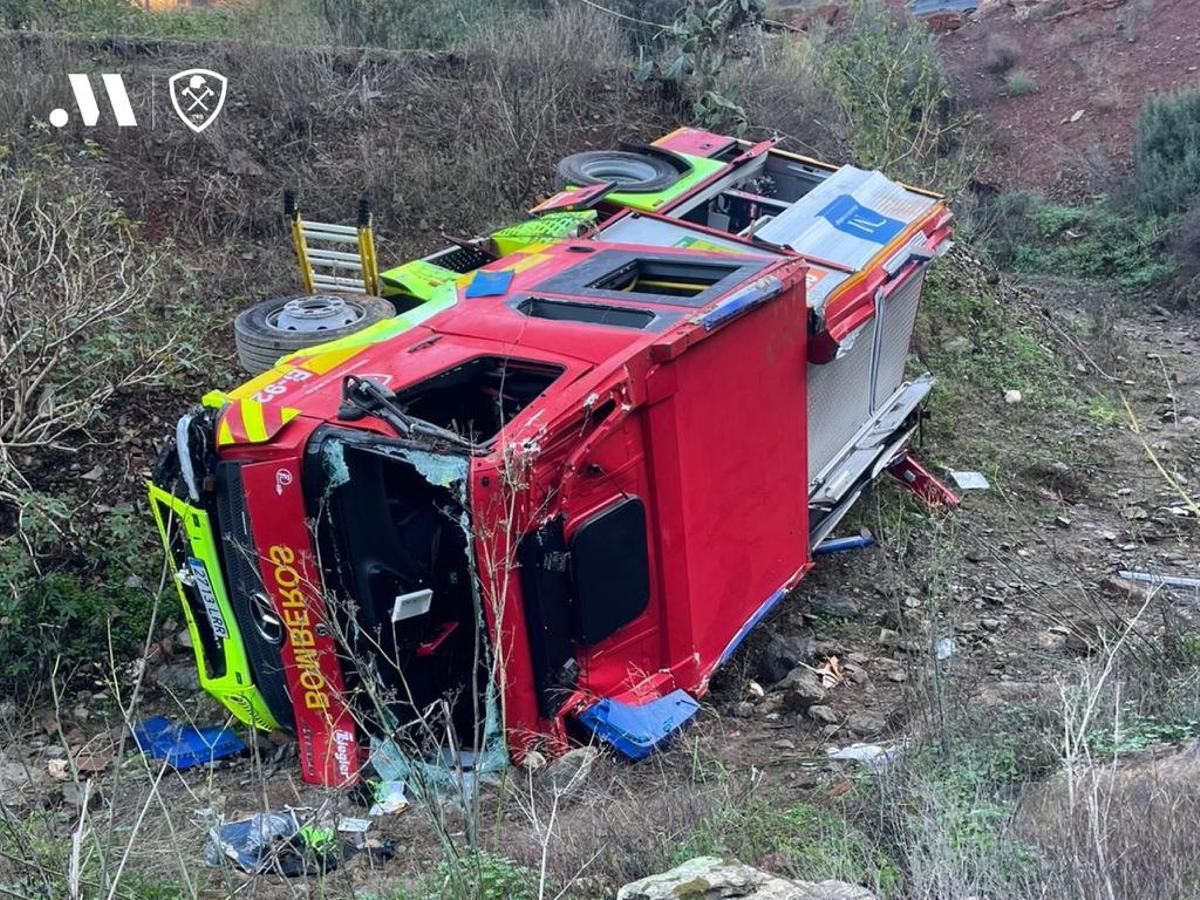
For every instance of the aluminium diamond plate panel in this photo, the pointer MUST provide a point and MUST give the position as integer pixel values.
(896, 328)
(839, 401)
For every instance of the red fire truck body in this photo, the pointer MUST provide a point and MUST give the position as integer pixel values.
(573, 490)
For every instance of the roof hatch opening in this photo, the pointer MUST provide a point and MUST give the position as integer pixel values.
(591, 313)
(670, 278)
(479, 397)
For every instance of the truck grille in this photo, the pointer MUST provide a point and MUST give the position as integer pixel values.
(251, 607)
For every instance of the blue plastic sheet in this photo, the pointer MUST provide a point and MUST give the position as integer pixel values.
(489, 284)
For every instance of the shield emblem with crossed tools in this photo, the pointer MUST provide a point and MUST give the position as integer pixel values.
(198, 95)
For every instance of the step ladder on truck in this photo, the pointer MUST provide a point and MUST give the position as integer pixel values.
(340, 278)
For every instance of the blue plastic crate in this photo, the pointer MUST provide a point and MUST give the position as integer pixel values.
(184, 746)
(637, 731)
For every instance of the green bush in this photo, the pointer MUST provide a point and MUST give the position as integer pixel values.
(52, 613)
(1166, 161)
(888, 77)
(1018, 82)
(1093, 243)
(807, 842)
(475, 875)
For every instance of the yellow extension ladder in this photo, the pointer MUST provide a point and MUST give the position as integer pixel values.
(325, 265)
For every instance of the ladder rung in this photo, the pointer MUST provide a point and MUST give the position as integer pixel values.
(314, 264)
(327, 226)
(333, 256)
(330, 281)
(331, 238)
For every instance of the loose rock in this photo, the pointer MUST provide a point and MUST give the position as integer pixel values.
(864, 724)
(801, 689)
(833, 605)
(825, 714)
(712, 878)
(783, 653)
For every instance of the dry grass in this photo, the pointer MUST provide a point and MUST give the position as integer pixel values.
(1120, 830)
(777, 80)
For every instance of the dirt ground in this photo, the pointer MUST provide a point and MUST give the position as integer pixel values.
(1097, 59)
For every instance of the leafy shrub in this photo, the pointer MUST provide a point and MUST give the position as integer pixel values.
(1166, 161)
(54, 613)
(776, 80)
(702, 37)
(804, 841)
(476, 875)
(887, 76)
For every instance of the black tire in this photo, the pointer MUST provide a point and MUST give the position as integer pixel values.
(638, 173)
(261, 341)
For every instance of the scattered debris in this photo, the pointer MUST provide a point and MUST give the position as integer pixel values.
(830, 673)
(1167, 581)
(1012, 397)
(842, 544)
(184, 746)
(389, 799)
(972, 481)
(276, 841)
(874, 756)
(944, 648)
(251, 842)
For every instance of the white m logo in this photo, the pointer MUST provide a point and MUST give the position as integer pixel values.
(89, 110)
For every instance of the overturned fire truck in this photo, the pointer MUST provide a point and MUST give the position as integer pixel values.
(554, 487)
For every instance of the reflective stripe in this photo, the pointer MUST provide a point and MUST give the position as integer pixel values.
(253, 422)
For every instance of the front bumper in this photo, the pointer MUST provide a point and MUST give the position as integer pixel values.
(221, 657)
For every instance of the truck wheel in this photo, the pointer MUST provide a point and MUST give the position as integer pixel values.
(639, 173)
(274, 328)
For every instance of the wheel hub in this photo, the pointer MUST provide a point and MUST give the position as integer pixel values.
(320, 312)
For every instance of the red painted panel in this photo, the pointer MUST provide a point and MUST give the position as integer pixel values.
(324, 726)
(729, 476)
